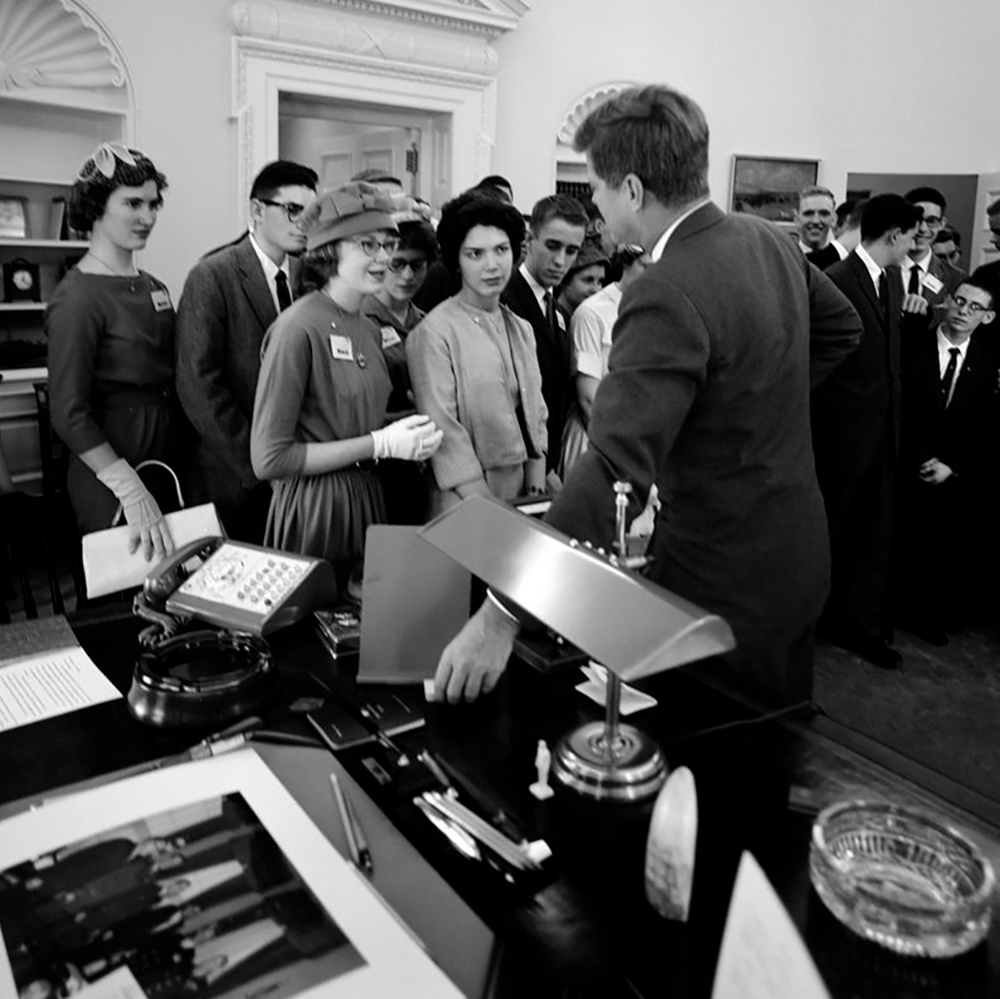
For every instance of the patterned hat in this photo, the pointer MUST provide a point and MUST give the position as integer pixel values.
(347, 211)
(591, 252)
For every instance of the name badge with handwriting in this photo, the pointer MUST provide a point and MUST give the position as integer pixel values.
(341, 347)
(390, 337)
(933, 284)
(161, 299)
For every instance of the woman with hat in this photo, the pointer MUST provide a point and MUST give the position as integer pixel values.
(590, 329)
(110, 330)
(474, 366)
(324, 385)
(585, 278)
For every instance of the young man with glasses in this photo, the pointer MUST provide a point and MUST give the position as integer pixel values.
(945, 476)
(230, 298)
(923, 273)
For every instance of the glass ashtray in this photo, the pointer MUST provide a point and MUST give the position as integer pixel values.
(901, 878)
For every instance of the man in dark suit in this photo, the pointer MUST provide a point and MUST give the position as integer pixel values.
(947, 465)
(855, 424)
(707, 395)
(988, 275)
(556, 233)
(230, 298)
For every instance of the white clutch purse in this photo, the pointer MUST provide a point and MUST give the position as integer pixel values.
(107, 565)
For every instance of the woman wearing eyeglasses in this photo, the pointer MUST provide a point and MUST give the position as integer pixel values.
(110, 330)
(406, 485)
(324, 384)
(474, 366)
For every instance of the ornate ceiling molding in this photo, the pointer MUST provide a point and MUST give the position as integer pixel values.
(582, 106)
(275, 19)
(55, 44)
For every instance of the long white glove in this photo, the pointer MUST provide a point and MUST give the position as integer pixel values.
(146, 524)
(413, 438)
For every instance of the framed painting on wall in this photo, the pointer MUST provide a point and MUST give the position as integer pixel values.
(769, 187)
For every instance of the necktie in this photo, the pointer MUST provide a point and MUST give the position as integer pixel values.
(883, 293)
(948, 380)
(914, 288)
(550, 312)
(284, 295)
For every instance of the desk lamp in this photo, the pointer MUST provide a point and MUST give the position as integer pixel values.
(630, 625)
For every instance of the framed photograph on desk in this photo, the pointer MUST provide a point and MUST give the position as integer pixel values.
(204, 875)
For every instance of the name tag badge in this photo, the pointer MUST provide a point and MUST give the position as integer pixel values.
(390, 337)
(341, 347)
(933, 284)
(161, 299)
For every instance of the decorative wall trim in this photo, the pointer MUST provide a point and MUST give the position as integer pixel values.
(583, 105)
(432, 56)
(55, 44)
(479, 17)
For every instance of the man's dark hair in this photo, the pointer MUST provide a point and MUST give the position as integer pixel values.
(931, 194)
(857, 209)
(419, 235)
(949, 234)
(656, 133)
(844, 210)
(495, 182)
(373, 176)
(885, 212)
(994, 208)
(474, 208)
(984, 279)
(558, 206)
(282, 173)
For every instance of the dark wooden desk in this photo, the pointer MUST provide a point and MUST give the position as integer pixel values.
(589, 931)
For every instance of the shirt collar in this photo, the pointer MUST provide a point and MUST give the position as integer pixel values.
(945, 345)
(270, 267)
(537, 289)
(873, 268)
(661, 243)
(924, 263)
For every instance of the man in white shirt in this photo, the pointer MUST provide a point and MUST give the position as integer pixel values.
(924, 273)
(230, 298)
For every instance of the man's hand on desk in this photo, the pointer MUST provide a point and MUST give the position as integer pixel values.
(476, 657)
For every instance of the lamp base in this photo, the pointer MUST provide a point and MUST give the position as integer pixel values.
(631, 770)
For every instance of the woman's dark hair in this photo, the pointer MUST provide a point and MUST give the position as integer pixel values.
(476, 207)
(318, 266)
(93, 187)
(419, 235)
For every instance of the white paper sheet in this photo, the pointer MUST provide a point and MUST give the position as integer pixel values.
(50, 684)
(762, 952)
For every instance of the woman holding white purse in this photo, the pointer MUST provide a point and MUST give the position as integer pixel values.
(110, 330)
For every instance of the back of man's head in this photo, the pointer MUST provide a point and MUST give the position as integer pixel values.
(282, 173)
(886, 212)
(929, 195)
(656, 133)
(557, 206)
(496, 184)
(993, 210)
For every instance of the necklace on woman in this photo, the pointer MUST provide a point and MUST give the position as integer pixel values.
(131, 272)
(359, 356)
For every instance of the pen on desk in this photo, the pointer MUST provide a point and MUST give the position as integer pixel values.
(286, 738)
(361, 857)
(430, 761)
(402, 760)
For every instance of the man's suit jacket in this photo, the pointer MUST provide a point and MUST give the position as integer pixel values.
(707, 394)
(961, 434)
(950, 277)
(224, 311)
(553, 358)
(857, 407)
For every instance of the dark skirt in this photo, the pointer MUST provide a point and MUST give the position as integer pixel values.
(326, 516)
(138, 431)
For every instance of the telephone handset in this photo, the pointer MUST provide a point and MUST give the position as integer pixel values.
(240, 587)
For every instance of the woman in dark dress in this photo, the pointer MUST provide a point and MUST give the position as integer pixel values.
(320, 407)
(110, 330)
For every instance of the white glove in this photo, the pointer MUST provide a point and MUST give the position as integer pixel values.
(146, 524)
(413, 438)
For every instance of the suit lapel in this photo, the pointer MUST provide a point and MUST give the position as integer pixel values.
(254, 284)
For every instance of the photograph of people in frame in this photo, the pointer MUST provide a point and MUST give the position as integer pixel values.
(198, 901)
